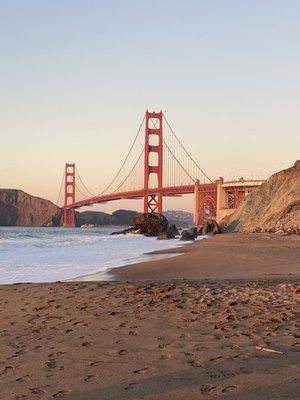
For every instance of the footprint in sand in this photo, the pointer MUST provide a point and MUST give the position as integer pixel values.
(23, 378)
(216, 359)
(95, 363)
(51, 364)
(195, 364)
(229, 389)
(133, 385)
(37, 391)
(165, 357)
(220, 374)
(61, 393)
(208, 389)
(85, 344)
(142, 370)
(90, 378)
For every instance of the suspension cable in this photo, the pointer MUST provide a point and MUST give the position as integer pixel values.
(115, 191)
(60, 189)
(184, 149)
(126, 158)
(83, 184)
(83, 194)
(178, 161)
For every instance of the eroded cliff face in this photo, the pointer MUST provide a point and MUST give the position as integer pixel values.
(274, 206)
(18, 208)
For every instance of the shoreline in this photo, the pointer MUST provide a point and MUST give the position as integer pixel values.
(223, 256)
(148, 257)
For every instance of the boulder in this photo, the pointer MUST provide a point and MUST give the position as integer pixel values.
(170, 233)
(200, 228)
(189, 234)
(150, 224)
(210, 227)
(172, 230)
(164, 236)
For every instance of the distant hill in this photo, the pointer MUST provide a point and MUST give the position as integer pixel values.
(18, 208)
(98, 218)
(274, 206)
(182, 219)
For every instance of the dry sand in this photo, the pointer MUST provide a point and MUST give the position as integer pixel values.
(169, 339)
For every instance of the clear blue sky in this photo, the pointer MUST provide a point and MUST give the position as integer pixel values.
(77, 76)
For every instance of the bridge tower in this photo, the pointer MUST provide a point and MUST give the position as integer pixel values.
(69, 214)
(153, 144)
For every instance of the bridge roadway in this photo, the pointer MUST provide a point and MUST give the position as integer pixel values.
(205, 188)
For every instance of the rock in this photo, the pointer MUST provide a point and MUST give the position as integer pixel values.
(164, 236)
(189, 234)
(193, 232)
(210, 227)
(170, 233)
(150, 224)
(200, 228)
(172, 230)
(133, 230)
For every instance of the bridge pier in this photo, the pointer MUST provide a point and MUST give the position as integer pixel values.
(221, 199)
(197, 204)
(69, 213)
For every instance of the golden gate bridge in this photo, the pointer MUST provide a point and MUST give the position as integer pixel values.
(157, 165)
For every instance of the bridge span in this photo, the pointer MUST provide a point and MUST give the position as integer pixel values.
(161, 167)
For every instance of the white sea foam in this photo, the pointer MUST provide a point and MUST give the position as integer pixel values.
(53, 254)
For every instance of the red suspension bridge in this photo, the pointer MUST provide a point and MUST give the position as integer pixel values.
(157, 165)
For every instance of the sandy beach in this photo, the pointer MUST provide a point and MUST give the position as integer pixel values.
(219, 321)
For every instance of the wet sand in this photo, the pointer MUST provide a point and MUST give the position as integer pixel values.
(227, 256)
(220, 333)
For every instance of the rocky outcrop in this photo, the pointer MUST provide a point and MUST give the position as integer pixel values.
(147, 224)
(18, 208)
(189, 234)
(150, 224)
(273, 207)
(210, 227)
(170, 233)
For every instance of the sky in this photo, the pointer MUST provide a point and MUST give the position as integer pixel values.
(76, 77)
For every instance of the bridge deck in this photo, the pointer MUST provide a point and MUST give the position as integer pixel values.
(137, 194)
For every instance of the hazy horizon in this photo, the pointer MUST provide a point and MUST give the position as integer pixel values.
(77, 77)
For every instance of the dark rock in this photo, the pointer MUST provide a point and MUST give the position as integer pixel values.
(150, 224)
(172, 230)
(164, 236)
(194, 232)
(210, 227)
(127, 230)
(200, 228)
(190, 234)
(170, 233)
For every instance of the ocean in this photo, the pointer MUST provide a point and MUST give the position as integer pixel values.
(57, 254)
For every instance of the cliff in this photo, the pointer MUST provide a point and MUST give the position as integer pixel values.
(18, 208)
(274, 206)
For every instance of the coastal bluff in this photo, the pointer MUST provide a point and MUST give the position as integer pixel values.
(18, 208)
(273, 207)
